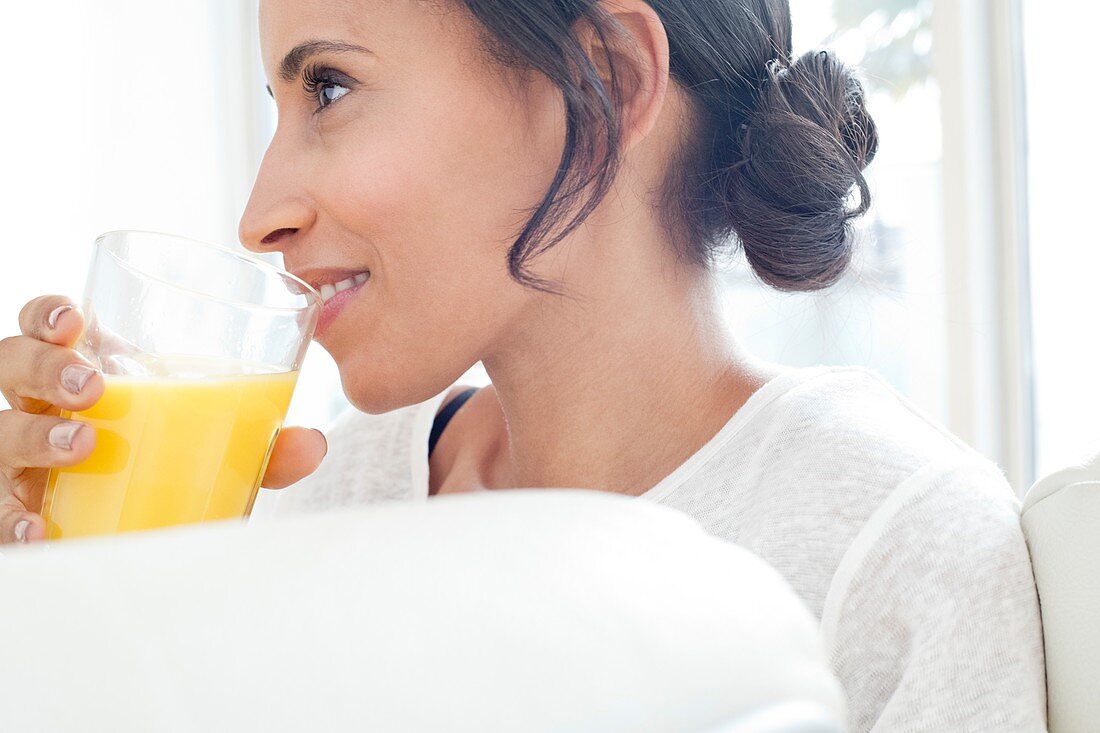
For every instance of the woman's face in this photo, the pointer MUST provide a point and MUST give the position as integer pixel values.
(403, 151)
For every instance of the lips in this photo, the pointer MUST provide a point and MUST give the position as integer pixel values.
(337, 301)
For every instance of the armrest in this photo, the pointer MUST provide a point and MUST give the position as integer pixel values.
(1060, 515)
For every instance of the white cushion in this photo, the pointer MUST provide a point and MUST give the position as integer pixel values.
(1061, 520)
(532, 610)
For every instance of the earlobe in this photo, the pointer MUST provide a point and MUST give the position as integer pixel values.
(636, 46)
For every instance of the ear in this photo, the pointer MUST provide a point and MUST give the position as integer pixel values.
(636, 47)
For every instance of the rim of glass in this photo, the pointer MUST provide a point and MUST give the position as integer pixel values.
(310, 292)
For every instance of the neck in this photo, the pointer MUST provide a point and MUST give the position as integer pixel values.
(614, 390)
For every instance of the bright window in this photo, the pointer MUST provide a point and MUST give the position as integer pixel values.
(1063, 160)
(125, 114)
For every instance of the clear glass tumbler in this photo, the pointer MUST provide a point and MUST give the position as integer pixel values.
(200, 347)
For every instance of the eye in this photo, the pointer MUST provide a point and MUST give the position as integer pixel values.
(325, 86)
(331, 92)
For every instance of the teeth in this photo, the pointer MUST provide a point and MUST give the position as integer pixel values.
(328, 290)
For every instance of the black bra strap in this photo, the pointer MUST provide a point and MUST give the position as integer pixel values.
(445, 416)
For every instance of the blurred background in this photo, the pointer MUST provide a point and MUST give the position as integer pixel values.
(971, 288)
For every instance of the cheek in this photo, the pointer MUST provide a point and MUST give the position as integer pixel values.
(433, 186)
(442, 176)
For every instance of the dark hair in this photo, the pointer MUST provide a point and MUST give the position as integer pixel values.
(778, 143)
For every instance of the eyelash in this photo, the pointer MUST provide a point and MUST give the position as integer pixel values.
(315, 78)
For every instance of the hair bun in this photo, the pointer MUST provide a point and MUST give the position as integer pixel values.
(802, 150)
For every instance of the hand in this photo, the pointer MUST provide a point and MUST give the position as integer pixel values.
(39, 376)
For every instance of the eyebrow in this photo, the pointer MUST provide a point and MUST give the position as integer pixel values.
(292, 62)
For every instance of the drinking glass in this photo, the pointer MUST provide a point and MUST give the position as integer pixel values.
(200, 347)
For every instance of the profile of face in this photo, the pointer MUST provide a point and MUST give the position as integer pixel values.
(411, 145)
(401, 150)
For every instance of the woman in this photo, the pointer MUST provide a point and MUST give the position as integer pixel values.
(545, 187)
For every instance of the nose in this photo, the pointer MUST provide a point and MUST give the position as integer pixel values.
(278, 207)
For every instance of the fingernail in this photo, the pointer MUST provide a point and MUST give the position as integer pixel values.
(322, 438)
(75, 376)
(21, 530)
(56, 313)
(62, 434)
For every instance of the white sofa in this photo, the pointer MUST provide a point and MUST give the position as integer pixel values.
(532, 611)
(1061, 520)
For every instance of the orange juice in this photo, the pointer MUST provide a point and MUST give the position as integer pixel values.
(170, 450)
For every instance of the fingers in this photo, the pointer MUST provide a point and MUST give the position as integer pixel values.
(36, 376)
(54, 319)
(19, 525)
(28, 371)
(41, 441)
(297, 453)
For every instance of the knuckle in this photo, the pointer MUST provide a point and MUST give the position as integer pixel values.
(8, 438)
(8, 347)
(45, 366)
(13, 361)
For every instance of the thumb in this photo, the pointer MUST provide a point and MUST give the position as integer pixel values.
(297, 453)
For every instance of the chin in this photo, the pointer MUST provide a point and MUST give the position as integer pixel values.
(371, 393)
(376, 391)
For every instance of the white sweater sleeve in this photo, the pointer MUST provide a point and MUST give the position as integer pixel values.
(370, 459)
(932, 619)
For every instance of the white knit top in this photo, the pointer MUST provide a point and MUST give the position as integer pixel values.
(902, 540)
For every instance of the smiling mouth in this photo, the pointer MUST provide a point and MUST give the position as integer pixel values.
(328, 290)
